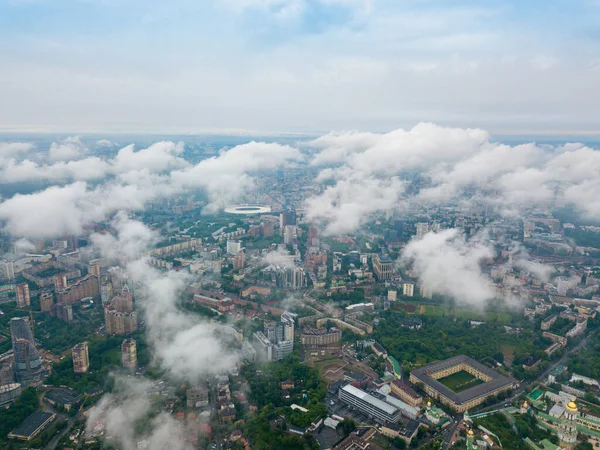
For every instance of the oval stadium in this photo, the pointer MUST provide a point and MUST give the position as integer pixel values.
(247, 209)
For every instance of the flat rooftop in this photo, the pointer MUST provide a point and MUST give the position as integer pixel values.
(62, 396)
(384, 258)
(32, 424)
(497, 380)
(380, 404)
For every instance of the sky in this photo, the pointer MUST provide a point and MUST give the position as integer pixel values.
(299, 66)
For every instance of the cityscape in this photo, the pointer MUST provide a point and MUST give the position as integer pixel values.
(299, 224)
(258, 325)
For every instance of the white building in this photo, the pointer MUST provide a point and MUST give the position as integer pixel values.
(422, 229)
(408, 289)
(234, 247)
(369, 405)
(288, 327)
(289, 234)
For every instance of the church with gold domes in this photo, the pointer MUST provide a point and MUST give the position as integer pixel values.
(567, 428)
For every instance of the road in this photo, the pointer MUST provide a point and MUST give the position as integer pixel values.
(52, 444)
(59, 416)
(213, 406)
(450, 433)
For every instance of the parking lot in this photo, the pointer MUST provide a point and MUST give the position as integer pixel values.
(338, 408)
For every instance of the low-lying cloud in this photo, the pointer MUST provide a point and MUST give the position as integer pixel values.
(183, 345)
(449, 264)
(127, 182)
(449, 162)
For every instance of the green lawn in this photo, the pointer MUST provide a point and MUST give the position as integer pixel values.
(460, 381)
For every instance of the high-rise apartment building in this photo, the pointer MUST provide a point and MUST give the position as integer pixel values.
(95, 270)
(47, 302)
(270, 330)
(282, 350)
(289, 234)
(27, 360)
(383, 266)
(64, 312)
(408, 289)
(239, 260)
(422, 229)
(296, 278)
(288, 327)
(87, 286)
(129, 354)
(81, 358)
(106, 292)
(60, 282)
(23, 299)
(7, 270)
(234, 247)
(119, 323)
(287, 217)
(267, 229)
(119, 316)
(264, 348)
(124, 301)
(313, 236)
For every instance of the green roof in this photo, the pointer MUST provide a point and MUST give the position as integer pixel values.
(532, 444)
(396, 365)
(548, 445)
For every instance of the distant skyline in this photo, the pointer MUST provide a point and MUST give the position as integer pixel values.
(299, 66)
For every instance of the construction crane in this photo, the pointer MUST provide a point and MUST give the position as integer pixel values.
(32, 322)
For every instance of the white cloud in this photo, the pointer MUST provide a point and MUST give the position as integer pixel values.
(64, 210)
(345, 206)
(226, 176)
(281, 258)
(8, 149)
(53, 212)
(448, 264)
(159, 157)
(105, 143)
(23, 246)
(67, 149)
(122, 412)
(131, 239)
(185, 346)
(92, 168)
(449, 162)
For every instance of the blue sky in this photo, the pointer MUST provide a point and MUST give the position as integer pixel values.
(299, 65)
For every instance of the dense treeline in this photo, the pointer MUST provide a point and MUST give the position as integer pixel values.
(443, 337)
(587, 361)
(265, 389)
(584, 238)
(264, 436)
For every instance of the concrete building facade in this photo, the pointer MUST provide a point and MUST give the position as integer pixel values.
(81, 358)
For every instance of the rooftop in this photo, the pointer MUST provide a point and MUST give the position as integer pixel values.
(384, 406)
(62, 396)
(406, 388)
(32, 424)
(497, 380)
(384, 258)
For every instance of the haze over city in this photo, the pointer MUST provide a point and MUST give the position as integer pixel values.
(288, 224)
(299, 65)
